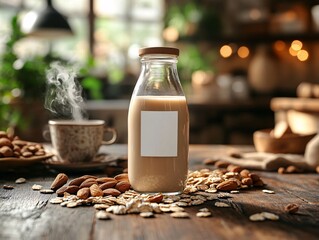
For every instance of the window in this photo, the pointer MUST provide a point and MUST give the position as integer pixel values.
(120, 27)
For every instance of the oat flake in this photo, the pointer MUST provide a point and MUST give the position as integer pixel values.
(221, 204)
(20, 180)
(203, 214)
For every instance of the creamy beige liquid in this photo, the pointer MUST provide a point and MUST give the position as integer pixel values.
(157, 174)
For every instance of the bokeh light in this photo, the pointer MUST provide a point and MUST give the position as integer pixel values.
(226, 51)
(243, 52)
(302, 55)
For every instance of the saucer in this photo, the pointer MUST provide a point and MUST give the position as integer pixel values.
(11, 162)
(100, 162)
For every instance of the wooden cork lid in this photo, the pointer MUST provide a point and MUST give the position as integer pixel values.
(159, 50)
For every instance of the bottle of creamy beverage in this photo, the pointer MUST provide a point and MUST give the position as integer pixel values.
(158, 125)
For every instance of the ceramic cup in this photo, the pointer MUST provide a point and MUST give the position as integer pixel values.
(79, 141)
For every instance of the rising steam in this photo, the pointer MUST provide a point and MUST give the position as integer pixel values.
(64, 93)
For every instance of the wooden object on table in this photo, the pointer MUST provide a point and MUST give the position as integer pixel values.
(26, 214)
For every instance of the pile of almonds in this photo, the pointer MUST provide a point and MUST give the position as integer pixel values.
(12, 146)
(114, 195)
(228, 178)
(86, 186)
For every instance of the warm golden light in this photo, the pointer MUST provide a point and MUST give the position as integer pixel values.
(296, 45)
(279, 45)
(293, 52)
(226, 51)
(243, 52)
(170, 34)
(302, 55)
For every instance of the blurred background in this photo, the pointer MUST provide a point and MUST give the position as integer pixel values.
(236, 56)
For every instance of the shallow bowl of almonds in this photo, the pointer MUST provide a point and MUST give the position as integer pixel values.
(15, 152)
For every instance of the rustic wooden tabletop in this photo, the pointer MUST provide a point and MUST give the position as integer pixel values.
(27, 214)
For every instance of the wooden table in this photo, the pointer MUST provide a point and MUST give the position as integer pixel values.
(26, 214)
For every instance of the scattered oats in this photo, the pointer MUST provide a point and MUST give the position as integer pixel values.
(36, 187)
(177, 209)
(221, 204)
(179, 215)
(211, 190)
(268, 191)
(9, 187)
(175, 198)
(182, 204)
(167, 200)
(257, 217)
(72, 204)
(132, 206)
(46, 191)
(56, 200)
(203, 214)
(234, 191)
(20, 180)
(156, 208)
(192, 189)
(263, 216)
(216, 180)
(117, 209)
(100, 206)
(186, 200)
(165, 209)
(145, 207)
(147, 214)
(102, 215)
(183, 195)
(210, 198)
(204, 210)
(270, 216)
(197, 202)
(224, 195)
(202, 187)
(63, 204)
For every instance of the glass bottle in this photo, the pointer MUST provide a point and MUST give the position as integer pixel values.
(158, 125)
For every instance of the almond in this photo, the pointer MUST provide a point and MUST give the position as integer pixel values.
(247, 181)
(96, 191)
(111, 191)
(77, 181)
(59, 181)
(123, 186)
(155, 198)
(221, 164)
(292, 208)
(6, 151)
(105, 179)
(73, 189)
(227, 185)
(5, 142)
(61, 191)
(259, 183)
(88, 183)
(254, 177)
(234, 168)
(83, 193)
(89, 176)
(122, 177)
(244, 173)
(109, 184)
(209, 161)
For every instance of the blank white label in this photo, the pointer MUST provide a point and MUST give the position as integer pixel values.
(159, 133)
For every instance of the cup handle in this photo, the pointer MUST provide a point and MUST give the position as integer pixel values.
(114, 135)
(46, 135)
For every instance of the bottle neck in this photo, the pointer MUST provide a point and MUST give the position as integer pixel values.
(159, 76)
(159, 66)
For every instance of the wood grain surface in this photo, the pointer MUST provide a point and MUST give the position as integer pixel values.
(27, 214)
